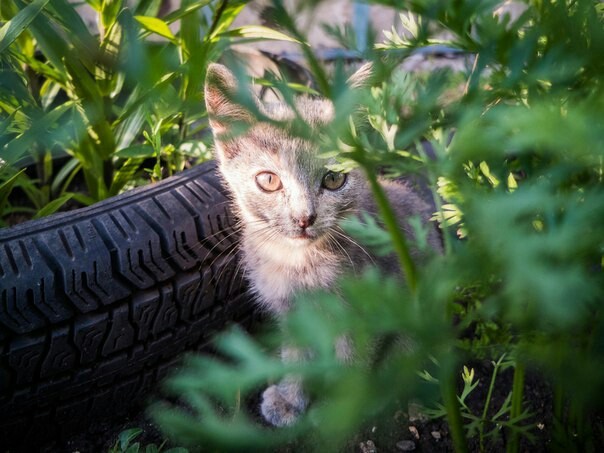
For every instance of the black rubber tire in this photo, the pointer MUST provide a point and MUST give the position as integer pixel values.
(97, 303)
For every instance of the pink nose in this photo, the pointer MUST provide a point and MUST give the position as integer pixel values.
(306, 221)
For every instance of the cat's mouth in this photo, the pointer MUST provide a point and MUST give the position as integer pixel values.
(305, 235)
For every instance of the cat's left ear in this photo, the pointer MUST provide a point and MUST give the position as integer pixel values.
(220, 89)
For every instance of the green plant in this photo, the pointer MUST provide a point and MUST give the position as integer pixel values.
(125, 444)
(519, 159)
(487, 426)
(112, 99)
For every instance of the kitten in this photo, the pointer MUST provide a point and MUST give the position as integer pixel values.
(289, 206)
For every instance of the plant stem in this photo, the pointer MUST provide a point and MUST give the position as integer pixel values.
(446, 235)
(575, 420)
(398, 238)
(447, 388)
(558, 402)
(217, 16)
(488, 401)
(516, 410)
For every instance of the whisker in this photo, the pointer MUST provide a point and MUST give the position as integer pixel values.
(232, 251)
(233, 233)
(203, 241)
(333, 240)
(353, 242)
(229, 250)
(232, 255)
(237, 269)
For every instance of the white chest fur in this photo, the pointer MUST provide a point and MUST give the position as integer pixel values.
(278, 269)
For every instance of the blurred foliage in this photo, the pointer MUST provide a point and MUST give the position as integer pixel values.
(108, 103)
(513, 148)
(126, 443)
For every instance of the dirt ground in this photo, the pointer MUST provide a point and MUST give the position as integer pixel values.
(404, 429)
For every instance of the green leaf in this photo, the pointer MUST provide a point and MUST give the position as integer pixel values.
(84, 199)
(110, 9)
(134, 448)
(65, 175)
(79, 34)
(135, 102)
(293, 86)
(128, 436)
(467, 389)
(148, 7)
(5, 189)
(185, 10)
(256, 33)
(486, 171)
(367, 231)
(4, 125)
(151, 448)
(156, 173)
(136, 151)
(420, 231)
(194, 55)
(53, 206)
(23, 143)
(157, 26)
(94, 4)
(14, 27)
(127, 131)
(59, 42)
(52, 45)
(125, 174)
(43, 69)
(225, 14)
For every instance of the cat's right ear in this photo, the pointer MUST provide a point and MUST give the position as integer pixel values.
(220, 90)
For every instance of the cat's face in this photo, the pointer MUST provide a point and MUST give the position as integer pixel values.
(281, 186)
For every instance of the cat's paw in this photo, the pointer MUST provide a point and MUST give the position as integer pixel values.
(282, 404)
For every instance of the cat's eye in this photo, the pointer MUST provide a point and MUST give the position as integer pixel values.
(333, 180)
(269, 182)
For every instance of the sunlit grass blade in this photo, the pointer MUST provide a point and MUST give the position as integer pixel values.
(6, 187)
(127, 171)
(11, 30)
(23, 143)
(252, 33)
(80, 36)
(53, 206)
(225, 14)
(186, 9)
(157, 26)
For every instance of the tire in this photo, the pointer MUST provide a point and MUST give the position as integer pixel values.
(97, 303)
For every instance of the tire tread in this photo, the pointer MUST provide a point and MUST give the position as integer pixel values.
(96, 304)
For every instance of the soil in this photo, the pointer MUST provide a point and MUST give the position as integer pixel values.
(404, 429)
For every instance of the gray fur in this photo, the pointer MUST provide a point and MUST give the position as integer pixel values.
(277, 262)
